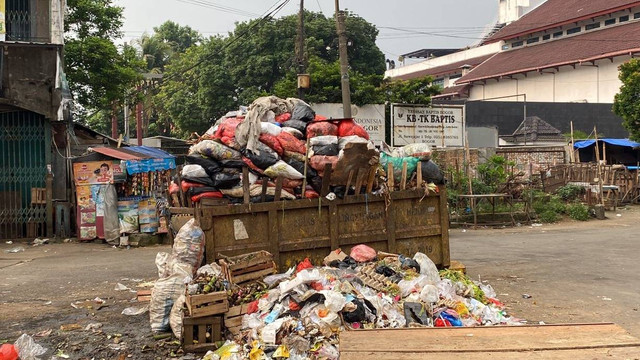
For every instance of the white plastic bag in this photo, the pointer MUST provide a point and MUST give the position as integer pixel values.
(429, 294)
(295, 132)
(417, 150)
(427, 268)
(343, 141)
(270, 128)
(324, 140)
(28, 349)
(165, 292)
(334, 301)
(162, 259)
(175, 318)
(194, 170)
(283, 169)
(210, 269)
(188, 246)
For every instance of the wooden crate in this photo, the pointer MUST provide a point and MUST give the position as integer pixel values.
(207, 304)
(143, 295)
(233, 318)
(248, 267)
(195, 330)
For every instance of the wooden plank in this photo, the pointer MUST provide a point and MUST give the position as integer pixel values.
(326, 180)
(202, 334)
(265, 182)
(485, 339)
(419, 175)
(444, 226)
(278, 191)
(371, 179)
(390, 179)
(359, 180)
(245, 185)
(403, 182)
(348, 184)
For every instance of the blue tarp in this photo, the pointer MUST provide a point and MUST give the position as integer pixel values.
(160, 160)
(617, 142)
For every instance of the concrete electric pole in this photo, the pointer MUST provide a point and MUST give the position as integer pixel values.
(344, 62)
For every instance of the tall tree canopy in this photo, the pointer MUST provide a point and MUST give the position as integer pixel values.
(99, 73)
(627, 101)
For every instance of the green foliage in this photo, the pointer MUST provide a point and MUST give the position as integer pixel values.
(570, 192)
(627, 101)
(549, 203)
(578, 212)
(413, 91)
(493, 173)
(548, 216)
(578, 135)
(98, 72)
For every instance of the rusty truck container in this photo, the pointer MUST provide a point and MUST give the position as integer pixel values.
(403, 222)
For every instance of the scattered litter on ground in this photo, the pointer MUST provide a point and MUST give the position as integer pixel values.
(16, 249)
(28, 349)
(121, 287)
(43, 333)
(38, 242)
(9, 242)
(92, 327)
(526, 296)
(133, 311)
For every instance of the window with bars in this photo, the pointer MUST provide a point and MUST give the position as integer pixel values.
(18, 19)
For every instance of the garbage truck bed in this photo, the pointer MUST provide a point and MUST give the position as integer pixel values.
(576, 341)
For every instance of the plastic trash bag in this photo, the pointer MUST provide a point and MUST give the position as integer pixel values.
(194, 170)
(227, 127)
(417, 150)
(343, 141)
(318, 162)
(263, 157)
(334, 301)
(291, 143)
(162, 259)
(299, 166)
(429, 294)
(330, 150)
(28, 349)
(321, 128)
(209, 165)
(323, 140)
(270, 128)
(295, 132)
(413, 286)
(363, 253)
(135, 311)
(303, 112)
(164, 293)
(272, 142)
(296, 124)
(282, 118)
(416, 313)
(225, 181)
(215, 150)
(350, 128)
(175, 317)
(412, 164)
(427, 268)
(431, 173)
(188, 245)
(232, 163)
(252, 166)
(283, 169)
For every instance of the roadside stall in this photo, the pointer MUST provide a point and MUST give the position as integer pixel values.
(122, 191)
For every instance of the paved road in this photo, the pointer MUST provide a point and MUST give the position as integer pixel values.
(575, 272)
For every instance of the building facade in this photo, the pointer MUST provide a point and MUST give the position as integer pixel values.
(30, 96)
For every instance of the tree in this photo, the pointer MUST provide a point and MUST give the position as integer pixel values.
(413, 91)
(179, 38)
(627, 101)
(99, 73)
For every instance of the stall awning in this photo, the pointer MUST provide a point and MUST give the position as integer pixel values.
(617, 142)
(140, 159)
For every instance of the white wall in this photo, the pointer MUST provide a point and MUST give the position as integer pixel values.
(585, 83)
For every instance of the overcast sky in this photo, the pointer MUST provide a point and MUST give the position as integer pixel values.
(419, 23)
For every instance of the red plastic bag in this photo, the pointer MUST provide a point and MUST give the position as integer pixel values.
(305, 264)
(440, 322)
(291, 143)
(8, 352)
(321, 129)
(363, 253)
(272, 142)
(283, 118)
(229, 141)
(318, 162)
(349, 128)
(316, 286)
(186, 185)
(290, 183)
(208, 194)
(252, 166)
(319, 118)
(293, 306)
(227, 128)
(174, 188)
(311, 194)
(253, 307)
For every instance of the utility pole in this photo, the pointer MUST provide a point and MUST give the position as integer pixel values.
(344, 62)
(139, 119)
(114, 121)
(301, 47)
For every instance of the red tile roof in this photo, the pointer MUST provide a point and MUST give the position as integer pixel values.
(456, 90)
(555, 13)
(445, 69)
(599, 44)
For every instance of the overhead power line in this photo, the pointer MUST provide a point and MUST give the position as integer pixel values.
(221, 8)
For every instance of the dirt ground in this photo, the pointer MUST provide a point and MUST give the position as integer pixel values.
(574, 272)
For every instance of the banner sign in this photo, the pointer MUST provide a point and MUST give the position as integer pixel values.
(437, 126)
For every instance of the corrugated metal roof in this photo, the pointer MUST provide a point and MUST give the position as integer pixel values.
(119, 153)
(151, 152)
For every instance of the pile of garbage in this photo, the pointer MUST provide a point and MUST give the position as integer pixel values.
(279, 138)
(299, 314)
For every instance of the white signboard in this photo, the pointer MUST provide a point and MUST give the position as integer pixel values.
(371, 117)
(436, 126)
